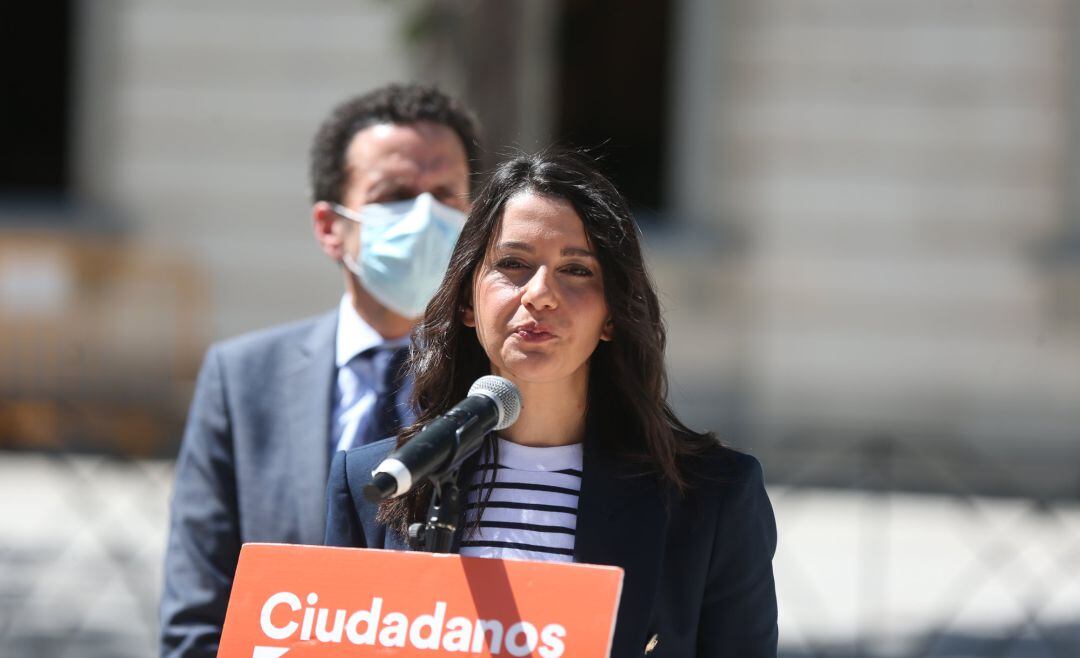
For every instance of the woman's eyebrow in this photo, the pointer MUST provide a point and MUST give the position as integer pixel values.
(526, 247)
(577, 251)
(514, 244)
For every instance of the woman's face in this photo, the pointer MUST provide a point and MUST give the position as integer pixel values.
(538, 294)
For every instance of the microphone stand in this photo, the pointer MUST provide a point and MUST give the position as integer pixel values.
(437, 534)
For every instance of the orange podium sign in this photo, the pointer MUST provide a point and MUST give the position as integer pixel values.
(321, 602)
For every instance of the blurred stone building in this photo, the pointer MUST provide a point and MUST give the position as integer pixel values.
(862, 214)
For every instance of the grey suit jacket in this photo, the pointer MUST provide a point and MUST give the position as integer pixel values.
(252, 468)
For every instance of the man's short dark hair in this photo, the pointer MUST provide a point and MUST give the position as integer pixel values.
(398, 104)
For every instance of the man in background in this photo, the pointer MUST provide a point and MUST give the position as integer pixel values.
(390, 179)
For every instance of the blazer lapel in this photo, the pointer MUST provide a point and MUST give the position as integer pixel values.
(622, 521)
(307, 393)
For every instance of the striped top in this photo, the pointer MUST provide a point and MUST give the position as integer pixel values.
(532, 510)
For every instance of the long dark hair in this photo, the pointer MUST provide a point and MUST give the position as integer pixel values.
(627, 399)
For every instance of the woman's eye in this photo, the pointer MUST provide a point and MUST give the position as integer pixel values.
(509, 264)
(578, 270)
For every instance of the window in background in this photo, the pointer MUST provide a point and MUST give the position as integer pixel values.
(35, 56)
(612, 86)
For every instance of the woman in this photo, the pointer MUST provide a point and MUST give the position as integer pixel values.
(547, 287)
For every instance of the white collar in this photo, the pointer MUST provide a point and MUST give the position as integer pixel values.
(537, 458)
(354, 335)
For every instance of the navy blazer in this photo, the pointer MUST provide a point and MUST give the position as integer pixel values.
(252, 468)
(698, 570)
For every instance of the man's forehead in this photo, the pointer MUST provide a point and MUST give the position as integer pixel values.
(407, 148)
(404, 164)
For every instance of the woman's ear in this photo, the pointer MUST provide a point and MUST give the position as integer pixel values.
(468, 316)
(608, 331)
(468, 313)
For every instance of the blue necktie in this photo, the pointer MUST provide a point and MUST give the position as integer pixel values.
(384, 420)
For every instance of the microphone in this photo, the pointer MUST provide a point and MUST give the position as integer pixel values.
(493, 403)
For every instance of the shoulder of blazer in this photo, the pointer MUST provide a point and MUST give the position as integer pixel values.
(723, 467)
(256, 346)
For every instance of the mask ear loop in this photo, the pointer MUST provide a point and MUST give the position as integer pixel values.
(350, 264)
(361, 218)
(347, 213)
(347, 259)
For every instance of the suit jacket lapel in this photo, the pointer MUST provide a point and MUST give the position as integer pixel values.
(622, 521)
(307, 393)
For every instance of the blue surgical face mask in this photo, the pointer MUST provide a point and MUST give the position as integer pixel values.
(405, 247)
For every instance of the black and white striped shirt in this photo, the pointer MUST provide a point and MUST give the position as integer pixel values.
(532, 510)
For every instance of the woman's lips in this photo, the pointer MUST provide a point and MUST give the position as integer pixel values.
(533, 332)
(533, 336)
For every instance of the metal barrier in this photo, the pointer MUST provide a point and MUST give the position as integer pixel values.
(868, 570)
(918, 564)
(81, 540)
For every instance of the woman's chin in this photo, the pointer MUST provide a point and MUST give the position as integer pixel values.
(532, 370)
(528, 371)
(529, 377)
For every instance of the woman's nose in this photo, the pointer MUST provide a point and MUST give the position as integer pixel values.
(539, 292)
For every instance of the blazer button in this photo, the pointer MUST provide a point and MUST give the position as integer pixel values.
(651, 644)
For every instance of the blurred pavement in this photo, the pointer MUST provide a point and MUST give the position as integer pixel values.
(859, 574)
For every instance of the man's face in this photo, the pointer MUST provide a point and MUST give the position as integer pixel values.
(386, 163)
(394, 162)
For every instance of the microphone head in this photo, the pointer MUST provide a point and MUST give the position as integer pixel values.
(505, 396)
